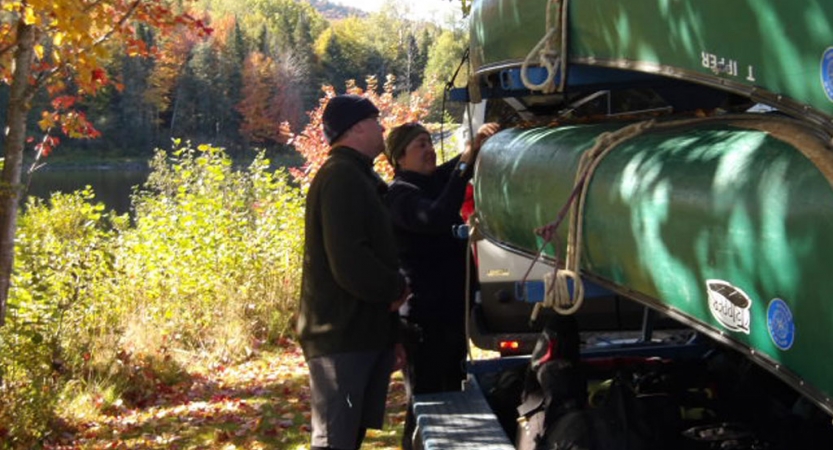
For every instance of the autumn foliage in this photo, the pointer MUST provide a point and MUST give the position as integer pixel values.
(170, 58)
(268, 100)
(312, 144)
(74, 41)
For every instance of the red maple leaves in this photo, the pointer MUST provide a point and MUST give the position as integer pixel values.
(312, 145)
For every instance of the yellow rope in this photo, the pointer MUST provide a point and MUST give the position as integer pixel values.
(557, 295)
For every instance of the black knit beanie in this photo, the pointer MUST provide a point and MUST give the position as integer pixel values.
(344, 111)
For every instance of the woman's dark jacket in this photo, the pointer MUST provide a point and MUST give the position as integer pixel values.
(350, 270)
(424, 210)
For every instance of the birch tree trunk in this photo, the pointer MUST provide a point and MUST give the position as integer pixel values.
(20, 96)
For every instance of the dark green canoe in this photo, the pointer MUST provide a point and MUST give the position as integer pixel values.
(777, 51)
(724, 223)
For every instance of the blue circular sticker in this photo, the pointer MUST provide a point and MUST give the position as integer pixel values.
(827, 72)
(779, 322)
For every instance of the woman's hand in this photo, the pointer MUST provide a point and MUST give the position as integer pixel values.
(473, 147)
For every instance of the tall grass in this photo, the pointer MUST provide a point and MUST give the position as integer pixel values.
(207, 270)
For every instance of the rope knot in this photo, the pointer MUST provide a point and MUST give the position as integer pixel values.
(557, 294)
(548, 57)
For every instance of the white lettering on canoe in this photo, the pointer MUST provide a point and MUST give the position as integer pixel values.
(721, 65)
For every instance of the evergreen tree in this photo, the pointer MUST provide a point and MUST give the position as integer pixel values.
(263, 45)
(302, 52)
(134, 131)
(232, 53)
(346, 54)
(335, 64)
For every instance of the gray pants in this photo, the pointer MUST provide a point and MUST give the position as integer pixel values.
(348, 393)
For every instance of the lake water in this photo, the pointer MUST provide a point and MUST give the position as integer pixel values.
(112, 186)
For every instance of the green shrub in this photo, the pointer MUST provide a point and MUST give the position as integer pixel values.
(60, 304)
(107, 307)
(213, 261)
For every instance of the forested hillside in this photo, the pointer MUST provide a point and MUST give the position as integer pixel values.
(105, 317)
(334, 11)
(263, 65)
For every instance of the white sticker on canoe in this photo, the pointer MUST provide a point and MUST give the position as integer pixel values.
(729, 305)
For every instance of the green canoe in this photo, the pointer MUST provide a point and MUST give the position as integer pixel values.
(724, 223)
(779, 52)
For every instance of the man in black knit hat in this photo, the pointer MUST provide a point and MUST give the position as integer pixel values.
(352, 287)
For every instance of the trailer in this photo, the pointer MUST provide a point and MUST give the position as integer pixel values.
(653, 228)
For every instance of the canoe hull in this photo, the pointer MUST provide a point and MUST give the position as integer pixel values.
(772, 50)
(724, 223)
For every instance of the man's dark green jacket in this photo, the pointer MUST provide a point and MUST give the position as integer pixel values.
(350, 271)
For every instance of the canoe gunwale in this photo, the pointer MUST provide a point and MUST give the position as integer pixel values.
(757, 94)
(787, 105)
(777, 369)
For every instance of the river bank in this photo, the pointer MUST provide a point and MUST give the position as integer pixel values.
(113, 180)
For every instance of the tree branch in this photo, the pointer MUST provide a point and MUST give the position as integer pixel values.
(5, 49)
(118, 24)
(93, 5)
(8, 47)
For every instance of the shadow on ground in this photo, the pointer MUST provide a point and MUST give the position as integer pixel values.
(260, 404)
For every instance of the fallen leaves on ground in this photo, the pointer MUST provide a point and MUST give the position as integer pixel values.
(259, 404)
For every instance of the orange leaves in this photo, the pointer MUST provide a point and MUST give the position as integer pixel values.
(170, 60)
(63, 102)
(259, 121)
(75, 39)
(312, 145)
(48, 120)
(135, 47)
(72, 123)
(269, 102)
(76, 125)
